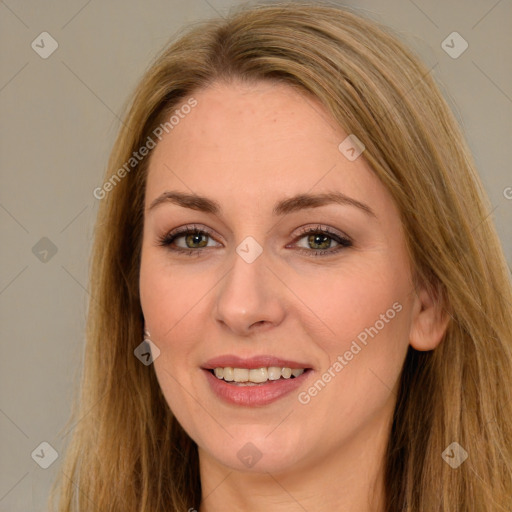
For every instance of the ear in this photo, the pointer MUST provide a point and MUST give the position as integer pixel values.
(429, 321)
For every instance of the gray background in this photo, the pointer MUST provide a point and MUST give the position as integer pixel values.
(59, 119)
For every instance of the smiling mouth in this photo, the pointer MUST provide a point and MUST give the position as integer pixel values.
(256, 376)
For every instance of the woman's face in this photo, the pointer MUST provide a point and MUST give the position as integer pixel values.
(255, 290)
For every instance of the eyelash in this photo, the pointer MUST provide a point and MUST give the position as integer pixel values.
(167, 239)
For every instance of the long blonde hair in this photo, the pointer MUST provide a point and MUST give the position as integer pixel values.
(127, 452)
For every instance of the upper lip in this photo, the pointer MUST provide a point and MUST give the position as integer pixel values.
(262, 361)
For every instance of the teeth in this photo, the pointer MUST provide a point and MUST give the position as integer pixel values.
(241, 374)
(256, 375)
(227, 374)
(286, 373)
(274, 373)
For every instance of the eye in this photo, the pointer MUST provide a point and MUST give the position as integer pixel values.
(322, 237)
(195, 240)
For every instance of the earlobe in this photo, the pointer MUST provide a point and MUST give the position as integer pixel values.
(429, 322)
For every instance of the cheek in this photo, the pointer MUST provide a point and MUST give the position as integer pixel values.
(168, 307)
(170, 295)
(361, 324)
(345, 302)
(172, 300)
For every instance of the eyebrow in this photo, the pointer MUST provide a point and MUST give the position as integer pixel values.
(282, 207)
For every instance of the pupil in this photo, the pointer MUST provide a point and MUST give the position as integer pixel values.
(195, 237)
(317, 237)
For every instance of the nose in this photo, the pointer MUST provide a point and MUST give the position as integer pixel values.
(250, 298)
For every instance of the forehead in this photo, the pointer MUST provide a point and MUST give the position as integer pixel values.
(262, 140)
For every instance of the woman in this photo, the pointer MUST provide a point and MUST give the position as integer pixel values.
(292, 222)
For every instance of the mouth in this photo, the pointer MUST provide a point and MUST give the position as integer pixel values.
(258, 381)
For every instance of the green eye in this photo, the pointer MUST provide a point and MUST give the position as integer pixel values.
(195, 241)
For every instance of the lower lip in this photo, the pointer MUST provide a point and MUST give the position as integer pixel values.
(261, 394)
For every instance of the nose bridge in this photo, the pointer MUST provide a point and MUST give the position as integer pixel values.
(249, 294)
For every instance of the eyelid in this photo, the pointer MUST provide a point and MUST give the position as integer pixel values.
(323, 229)
(302, 230)
(183, 230)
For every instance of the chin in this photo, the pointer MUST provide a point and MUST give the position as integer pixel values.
(258, 450)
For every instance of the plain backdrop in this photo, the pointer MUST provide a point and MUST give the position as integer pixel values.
(59, 116)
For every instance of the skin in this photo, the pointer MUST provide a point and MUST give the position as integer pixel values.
(248, 146)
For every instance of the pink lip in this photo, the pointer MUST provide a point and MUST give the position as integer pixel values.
(263, 361)
(252, 396)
